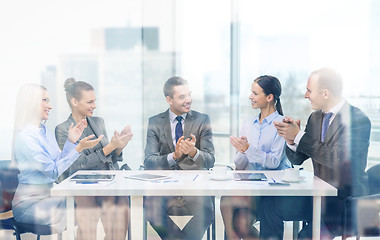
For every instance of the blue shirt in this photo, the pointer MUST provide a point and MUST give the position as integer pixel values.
(266, 148)
(38, 156)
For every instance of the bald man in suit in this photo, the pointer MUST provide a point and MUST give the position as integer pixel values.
(336, 138)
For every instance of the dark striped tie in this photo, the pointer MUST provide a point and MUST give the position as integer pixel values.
(325, 125)
(178, 128)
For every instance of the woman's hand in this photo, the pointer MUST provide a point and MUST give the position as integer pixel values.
(126, 130)
(240, 144)
(120, 141)
(127, 136)
(87, 143)
(74, 133)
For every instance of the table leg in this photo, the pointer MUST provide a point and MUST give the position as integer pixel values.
(136, 217)
(70, 218)
(317, 217)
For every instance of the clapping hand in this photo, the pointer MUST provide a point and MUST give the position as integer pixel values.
(240, 144)
(87, 143)
(75, 132)
(188, 146)
(126, 130)
(288, 129)
(119, 141)
(127, 134)
(178, 152)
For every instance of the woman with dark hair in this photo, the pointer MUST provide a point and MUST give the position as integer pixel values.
(40, 161)
(113, 211)
(259, 147)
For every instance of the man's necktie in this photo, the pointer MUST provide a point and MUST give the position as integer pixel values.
(178, 128)
(325, 125)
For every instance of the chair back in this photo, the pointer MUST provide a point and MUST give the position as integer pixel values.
(374, 179)
(8, 185)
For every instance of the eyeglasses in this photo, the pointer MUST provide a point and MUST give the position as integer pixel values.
(47, 100)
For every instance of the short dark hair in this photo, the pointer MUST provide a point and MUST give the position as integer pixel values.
(329, 79)
(170, 83)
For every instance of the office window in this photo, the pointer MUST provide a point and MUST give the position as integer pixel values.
(289, 39)
(127, 49)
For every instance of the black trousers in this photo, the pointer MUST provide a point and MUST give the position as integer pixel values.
(275, 210)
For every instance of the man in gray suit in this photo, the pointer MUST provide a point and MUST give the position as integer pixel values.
(179, 138)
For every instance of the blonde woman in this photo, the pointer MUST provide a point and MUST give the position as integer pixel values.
(113, 211)
(40, 161)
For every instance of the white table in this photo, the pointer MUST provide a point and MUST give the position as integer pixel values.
(185, 186)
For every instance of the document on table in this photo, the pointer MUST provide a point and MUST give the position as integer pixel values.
(148, 177)
(185, 177)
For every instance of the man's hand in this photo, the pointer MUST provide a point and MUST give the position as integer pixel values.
(188, 146)
(240, 144)
(177, 152)
(291, 120)
(288, 129)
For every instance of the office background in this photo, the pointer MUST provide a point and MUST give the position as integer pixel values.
(128, 49)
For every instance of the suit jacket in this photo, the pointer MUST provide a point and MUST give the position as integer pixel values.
(342, 158)
(159, 142)
(93, 158)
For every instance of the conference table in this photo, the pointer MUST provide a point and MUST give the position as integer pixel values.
(188, 183)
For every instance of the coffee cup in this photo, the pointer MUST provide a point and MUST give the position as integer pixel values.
(218, 171)
(291, 173)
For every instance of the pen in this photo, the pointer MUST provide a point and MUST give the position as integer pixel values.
(195, 177)
(166, 181)
(110, 183)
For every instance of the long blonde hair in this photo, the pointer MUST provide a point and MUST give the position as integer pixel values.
(28, 105)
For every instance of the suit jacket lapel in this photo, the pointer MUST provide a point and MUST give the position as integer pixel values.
(189, 122)
(95, 128)
(167, 130)
(338, 122)
(318, 124)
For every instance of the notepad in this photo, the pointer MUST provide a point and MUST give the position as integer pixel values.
(147, 177)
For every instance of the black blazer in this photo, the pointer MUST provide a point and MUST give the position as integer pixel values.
(342, 158)
(159, 142)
